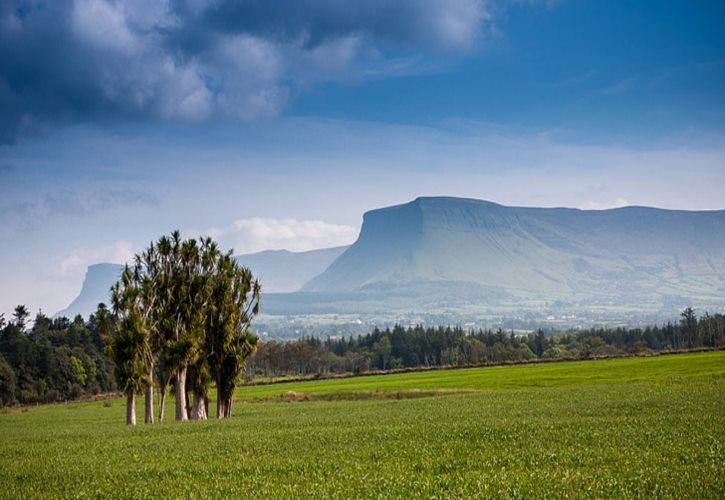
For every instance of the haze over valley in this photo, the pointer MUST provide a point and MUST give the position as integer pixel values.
(443, 260)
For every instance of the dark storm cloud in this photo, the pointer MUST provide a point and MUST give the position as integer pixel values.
(95, 60)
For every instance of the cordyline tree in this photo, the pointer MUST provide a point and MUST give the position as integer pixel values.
(129, 345)
(188, 309)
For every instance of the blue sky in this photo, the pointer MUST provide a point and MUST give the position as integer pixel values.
(277, 124)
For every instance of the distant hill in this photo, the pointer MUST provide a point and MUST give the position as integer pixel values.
(279, 271)
(446, 260)
(613, 256)
(95, 289)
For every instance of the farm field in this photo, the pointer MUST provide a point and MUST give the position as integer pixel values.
(638, 427)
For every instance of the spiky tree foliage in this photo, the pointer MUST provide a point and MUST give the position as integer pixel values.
(194, 306)
(135, 295)
(147, 298)
(181, 316)
(165, 277)
(129, 346)
(103, 321)
(234, 302)
(199, 380)
(243, 344)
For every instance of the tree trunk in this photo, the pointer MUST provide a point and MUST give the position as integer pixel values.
(181, 394)
(220, 411)
(198, 412)
(162, 404)
(189, 399)
(148, 416)
(219, 398)
(130, 408)
(228, 407)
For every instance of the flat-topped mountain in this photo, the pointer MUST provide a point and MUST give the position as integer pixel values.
(451, 256)
(96, 288)
(622, 254)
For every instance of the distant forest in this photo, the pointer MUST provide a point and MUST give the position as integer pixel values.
(59, 359)
(401, 347)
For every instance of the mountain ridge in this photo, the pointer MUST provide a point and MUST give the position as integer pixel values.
(447, 254)
(547, 251)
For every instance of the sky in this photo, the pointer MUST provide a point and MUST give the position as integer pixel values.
(278, 124)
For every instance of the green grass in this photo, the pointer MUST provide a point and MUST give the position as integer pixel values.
(616, 370)
(652, 427)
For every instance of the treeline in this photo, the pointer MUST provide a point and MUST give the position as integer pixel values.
(59, 359)
(402, 347)
(55, 360)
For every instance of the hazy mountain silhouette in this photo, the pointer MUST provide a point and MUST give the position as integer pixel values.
(96, 288)
(279, 271)
(443, 255)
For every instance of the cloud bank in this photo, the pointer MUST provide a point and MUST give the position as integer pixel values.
(75, 263)
(193, 60)
(256, 234)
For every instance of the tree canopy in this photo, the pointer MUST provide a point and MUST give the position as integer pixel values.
(184, 309)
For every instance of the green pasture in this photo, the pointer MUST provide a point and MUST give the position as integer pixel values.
(495, 378)
(641, 427)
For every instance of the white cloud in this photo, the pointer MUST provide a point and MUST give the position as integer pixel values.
(103, 24)
(458, 26)
(256, 234)
(186, 96)
(602, 205)
(75, 263)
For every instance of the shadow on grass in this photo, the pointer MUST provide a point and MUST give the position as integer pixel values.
(299, 397)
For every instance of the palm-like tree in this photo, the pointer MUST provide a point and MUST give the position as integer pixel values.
(128, 345)
(234, 301)
(184, 308)
(103, 321)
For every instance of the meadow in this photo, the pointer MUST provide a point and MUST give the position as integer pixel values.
(636, 427)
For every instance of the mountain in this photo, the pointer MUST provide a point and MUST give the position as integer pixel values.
(95, 289)
(279, 271)
(618, 256)
(453, 260)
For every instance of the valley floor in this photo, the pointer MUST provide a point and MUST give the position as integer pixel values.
(639, 427)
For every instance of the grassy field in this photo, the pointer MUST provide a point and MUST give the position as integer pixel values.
(647, 427)
(650, 369)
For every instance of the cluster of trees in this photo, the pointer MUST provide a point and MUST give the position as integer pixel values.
(55, 360)
(410, 347)
(180, 317)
